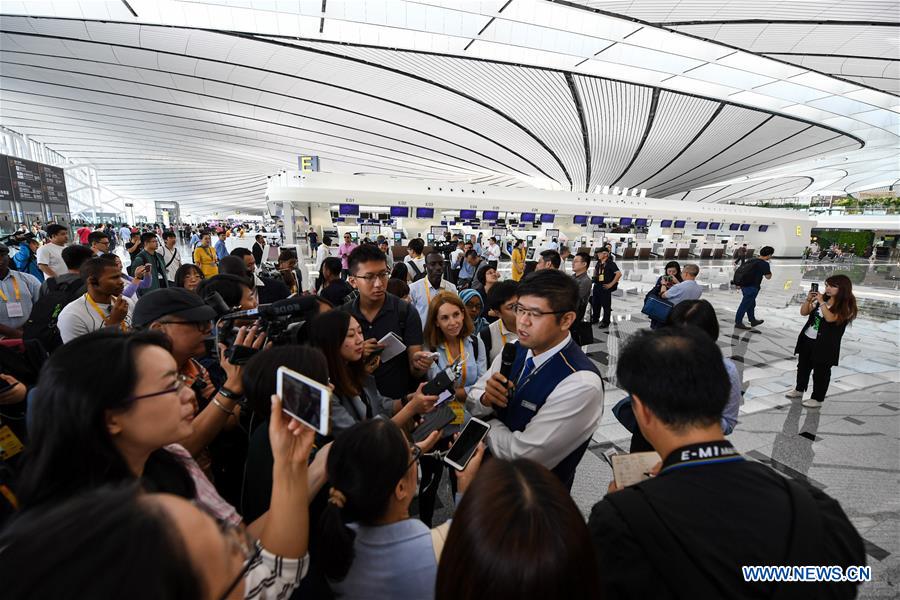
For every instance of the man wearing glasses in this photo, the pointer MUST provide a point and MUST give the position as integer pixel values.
(187, 321)
(99, 243)
(380, 313)
(552, 402)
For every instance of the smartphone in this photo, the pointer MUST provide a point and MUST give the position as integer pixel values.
(303, 399)
(439, 418)
(814, 287)
(464, 447)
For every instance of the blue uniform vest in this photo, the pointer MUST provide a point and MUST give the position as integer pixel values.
(531, 394)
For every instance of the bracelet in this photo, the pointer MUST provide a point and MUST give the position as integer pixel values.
(226, 393)
(221, 407)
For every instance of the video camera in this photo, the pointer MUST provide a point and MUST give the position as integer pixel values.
(279, 320)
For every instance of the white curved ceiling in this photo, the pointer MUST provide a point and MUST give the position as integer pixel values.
(205, 102)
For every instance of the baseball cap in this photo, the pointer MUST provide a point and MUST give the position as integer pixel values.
(171, 302)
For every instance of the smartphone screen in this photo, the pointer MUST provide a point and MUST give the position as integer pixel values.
(302, 400)
(814, 287)
(464, 447)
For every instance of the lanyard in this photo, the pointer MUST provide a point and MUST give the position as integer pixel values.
(15, 290)
(502, 335)
(103, 317)
(461, 357)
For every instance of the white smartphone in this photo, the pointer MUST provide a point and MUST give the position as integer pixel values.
(306, 400)
(462, 450)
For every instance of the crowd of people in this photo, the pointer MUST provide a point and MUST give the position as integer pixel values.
(154, 460)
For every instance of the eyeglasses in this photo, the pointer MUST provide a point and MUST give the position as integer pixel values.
(242, 543)
(180, 382)
(202, 326)
(369, 278)
(532, 313)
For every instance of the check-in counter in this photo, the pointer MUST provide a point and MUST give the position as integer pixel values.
(718, 252)
(684, 251)
(644, 252)
(670, 252)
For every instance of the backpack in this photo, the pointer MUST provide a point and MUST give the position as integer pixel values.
(41, 324)
(417, 274)
(742, 273)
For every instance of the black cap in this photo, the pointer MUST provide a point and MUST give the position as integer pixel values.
(171, 302)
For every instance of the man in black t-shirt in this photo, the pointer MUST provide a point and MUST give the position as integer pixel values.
(750, 285)
(606, 281)
(334, 289)
(688, 531)
(378, 313)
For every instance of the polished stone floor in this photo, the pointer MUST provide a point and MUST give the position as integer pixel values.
(850, 447)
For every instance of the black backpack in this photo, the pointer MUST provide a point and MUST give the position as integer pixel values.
(41, 324)
(416, 273)
(743, 272)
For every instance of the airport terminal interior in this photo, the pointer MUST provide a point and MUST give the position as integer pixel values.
(439, 299)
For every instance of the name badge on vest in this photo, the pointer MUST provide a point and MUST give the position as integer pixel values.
(529, 405)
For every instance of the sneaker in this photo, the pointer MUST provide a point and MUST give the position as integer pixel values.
(755, 323)
(812, 403)
(740, 326)
(794, 394)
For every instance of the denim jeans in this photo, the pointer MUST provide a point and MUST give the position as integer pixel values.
(748, 304)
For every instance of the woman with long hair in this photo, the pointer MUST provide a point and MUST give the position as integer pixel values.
(819, 343)
(369, 547)
(400, 271)
(518, 260)
(339, 336)
(128, 429)
(517, 533)
(449, 332)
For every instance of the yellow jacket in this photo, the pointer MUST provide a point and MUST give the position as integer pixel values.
(205, 258)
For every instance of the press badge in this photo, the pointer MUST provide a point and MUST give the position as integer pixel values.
(459, 411)
(529, 405)
(14, 309)
(9, 443)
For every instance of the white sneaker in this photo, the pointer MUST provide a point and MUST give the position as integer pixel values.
(812, 403)
(794, 394)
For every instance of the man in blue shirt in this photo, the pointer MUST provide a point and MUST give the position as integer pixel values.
(686, 290)
(26, 258)
(221, 248)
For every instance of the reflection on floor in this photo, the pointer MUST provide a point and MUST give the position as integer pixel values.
(850, 447)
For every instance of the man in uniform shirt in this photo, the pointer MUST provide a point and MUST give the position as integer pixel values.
(606, 280)
(221, 248)
(379, 313)
(686, 532)
(552, 404)
(422, 291)
(18, 293)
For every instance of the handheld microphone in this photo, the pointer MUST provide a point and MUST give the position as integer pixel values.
(507, 358)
